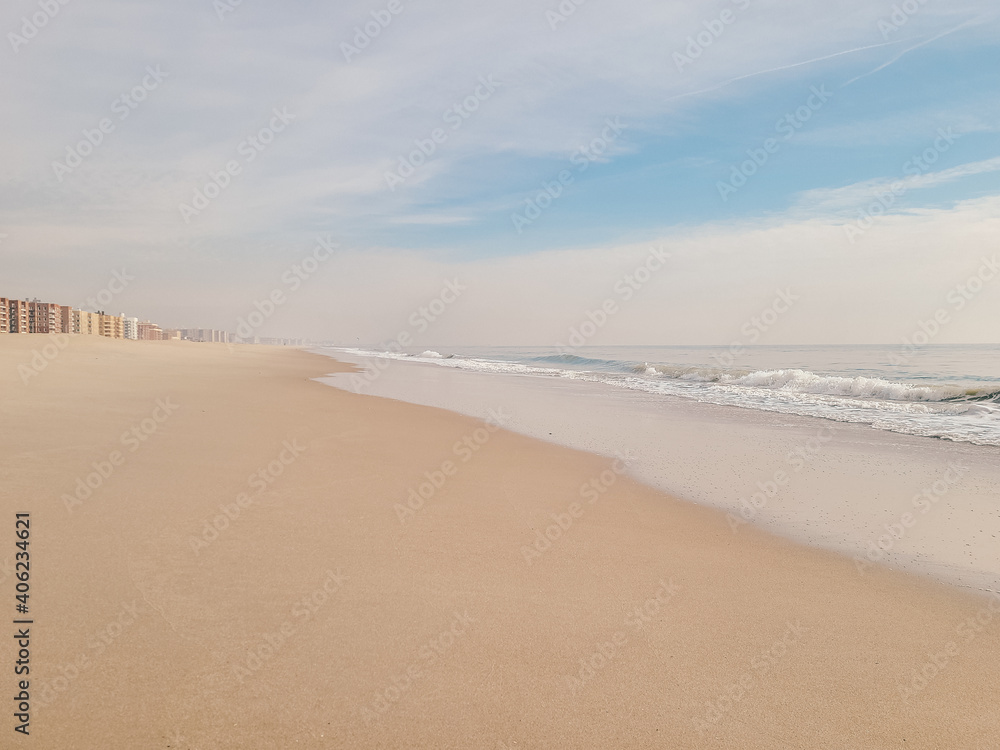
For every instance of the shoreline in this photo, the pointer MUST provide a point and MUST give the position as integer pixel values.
(316, 616)
(837, 486)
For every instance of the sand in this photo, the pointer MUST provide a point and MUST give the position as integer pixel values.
(322, 611)
(841, 484)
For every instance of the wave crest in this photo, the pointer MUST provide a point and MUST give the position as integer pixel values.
(804, 381)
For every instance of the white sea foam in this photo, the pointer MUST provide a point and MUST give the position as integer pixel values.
(941, 410)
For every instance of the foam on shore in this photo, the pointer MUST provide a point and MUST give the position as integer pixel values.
(845, 482)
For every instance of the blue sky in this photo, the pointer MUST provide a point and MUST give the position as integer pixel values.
(667, 169)
(549, 92)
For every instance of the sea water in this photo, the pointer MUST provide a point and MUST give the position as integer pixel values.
(945, 392)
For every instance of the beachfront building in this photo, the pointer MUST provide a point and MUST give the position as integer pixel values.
(34, 316)
(130, 328)
(147, 331)
(206, 335)
(86, 323)
(44, 317)
(17, 316)
(66, 318)
(112, 326)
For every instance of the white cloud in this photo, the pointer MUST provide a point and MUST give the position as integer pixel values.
(355, 119)
(832, 201)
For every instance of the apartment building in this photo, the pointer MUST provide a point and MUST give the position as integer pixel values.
(111, 326)
(34, 316)
(206, 335)
(86, 323)
(44, 317)
(66, 319)
(149, 331)
(17, 316)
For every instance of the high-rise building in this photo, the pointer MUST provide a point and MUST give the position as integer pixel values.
(111, 326)
(66, 319)
(206, 335)
(86, 323)
(17, 316)
(130, 328)
(44, 317)
(34, 316)
(149, 331)
(30, 316)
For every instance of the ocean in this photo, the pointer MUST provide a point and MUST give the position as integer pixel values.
(949, 392)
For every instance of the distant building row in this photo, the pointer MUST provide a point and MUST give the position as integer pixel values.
(32, 316)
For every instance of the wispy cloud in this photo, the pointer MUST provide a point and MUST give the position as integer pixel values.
(355, 120)
(824, 202)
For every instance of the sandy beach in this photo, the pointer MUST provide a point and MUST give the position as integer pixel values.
(229, 554)
(835, 485)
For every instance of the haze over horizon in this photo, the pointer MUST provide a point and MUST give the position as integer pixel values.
(530, 154)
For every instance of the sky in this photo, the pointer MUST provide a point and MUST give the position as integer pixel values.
(527, 156)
